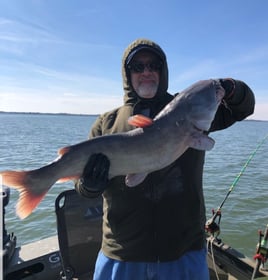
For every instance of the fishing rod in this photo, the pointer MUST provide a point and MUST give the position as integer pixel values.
(211, 226)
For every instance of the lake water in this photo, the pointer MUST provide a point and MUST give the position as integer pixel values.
(29, 141)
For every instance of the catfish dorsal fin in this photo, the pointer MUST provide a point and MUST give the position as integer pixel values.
(63, 151)
(140, 121)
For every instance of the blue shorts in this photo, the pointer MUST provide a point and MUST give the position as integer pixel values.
(191, 266)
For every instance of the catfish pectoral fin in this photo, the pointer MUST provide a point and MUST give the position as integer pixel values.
(133, 180)
(201, 141)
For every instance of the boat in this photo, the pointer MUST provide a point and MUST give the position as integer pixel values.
(71, 254)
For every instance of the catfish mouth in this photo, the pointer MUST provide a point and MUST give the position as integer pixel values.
(202, 122)
(201, 126)
(198, 129)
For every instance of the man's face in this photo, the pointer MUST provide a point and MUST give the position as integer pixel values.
(145, 70)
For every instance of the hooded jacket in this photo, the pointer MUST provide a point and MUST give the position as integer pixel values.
(164, 216)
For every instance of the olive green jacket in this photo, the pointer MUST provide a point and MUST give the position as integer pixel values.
(164, 216)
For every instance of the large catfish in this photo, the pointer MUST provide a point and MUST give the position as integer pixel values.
(153, 145)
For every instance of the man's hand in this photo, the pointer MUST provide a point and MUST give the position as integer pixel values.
(95, 176)
(229, 86)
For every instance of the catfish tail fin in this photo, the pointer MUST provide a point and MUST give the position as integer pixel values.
(32, 190)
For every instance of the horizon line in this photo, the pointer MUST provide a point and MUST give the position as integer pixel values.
(84, 114)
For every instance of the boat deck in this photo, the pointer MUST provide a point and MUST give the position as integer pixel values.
(41, 260)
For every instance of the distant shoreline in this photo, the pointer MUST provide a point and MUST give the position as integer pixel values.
(56, 114)
(86, 115)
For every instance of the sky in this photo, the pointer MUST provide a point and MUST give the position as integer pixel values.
(64, 56)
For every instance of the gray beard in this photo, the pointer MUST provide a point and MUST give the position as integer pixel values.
(148, 91)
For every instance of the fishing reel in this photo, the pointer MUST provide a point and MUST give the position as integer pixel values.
(212, 226)
(262, 247)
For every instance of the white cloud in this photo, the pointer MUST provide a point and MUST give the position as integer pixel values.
(202, 69)
(87, 103)
(261, 112)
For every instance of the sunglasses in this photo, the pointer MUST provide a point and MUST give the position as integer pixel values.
(140, 67)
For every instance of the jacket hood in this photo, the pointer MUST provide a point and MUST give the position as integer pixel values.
(143, 44)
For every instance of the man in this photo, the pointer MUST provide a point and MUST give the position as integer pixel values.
(154, 230)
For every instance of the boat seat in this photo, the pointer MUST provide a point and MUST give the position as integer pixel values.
(79, 226)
